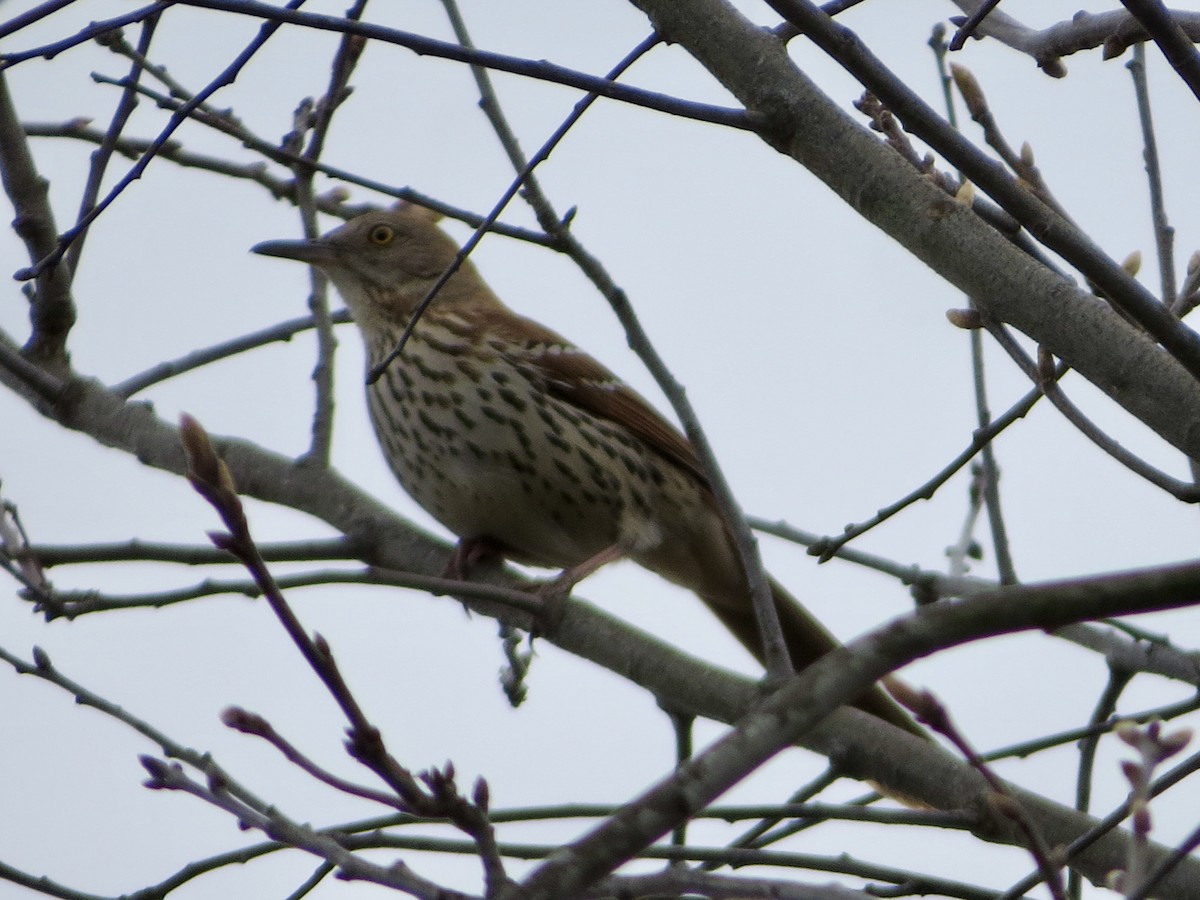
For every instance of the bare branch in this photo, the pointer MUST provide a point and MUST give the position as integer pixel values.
(1115, 31)
(1180, 490)
(52, 310)
(283, 331)
(805, 698)
(1172, 40)
(541, 70)
(226, 77)
(1164, 233)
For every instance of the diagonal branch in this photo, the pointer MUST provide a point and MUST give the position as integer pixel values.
(52, 310)
(804, 699)
(863, 747)
(806, 125)
(1174, 43)
(426, 46)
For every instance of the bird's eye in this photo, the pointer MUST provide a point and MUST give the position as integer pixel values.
(381, 235)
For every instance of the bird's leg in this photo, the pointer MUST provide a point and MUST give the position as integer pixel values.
(554, 593)
(469, 554)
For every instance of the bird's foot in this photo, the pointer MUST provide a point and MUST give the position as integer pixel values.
(469, 554)
(554, 594)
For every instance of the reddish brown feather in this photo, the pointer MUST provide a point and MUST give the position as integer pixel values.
(574, 376)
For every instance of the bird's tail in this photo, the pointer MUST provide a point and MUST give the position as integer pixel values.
(807, 641)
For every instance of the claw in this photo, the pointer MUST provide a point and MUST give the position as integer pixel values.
(469, 554)
(555, 592)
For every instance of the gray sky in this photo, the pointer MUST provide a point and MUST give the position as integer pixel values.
(815, 350)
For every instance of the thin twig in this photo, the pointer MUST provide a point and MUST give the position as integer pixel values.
(319, 119)
(32, 16)
(44, 669)
(72, 605)
(277, 154)
(932, 712)
(283, 331)
(330, 203)
(990, 469)
(125, 107)
(435, 791)
(967, 28)
(761, 835)
(189, 554)
(1115, 30)
(272, 821)
(1159, 872)
(1180, 490)
(249, 723)
(226, 77)
(966, 547)
(1118, 680)
(1025, 749)
(927, 584)
(1164, 233)
(1185, 769)
(828, 547)
(426, 46)
(92, 31)
(1048, 227)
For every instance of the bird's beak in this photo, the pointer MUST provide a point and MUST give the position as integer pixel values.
(315, 253)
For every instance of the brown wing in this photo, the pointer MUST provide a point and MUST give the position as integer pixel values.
(574, 376)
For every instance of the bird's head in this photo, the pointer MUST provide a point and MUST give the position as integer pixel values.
(384, 263)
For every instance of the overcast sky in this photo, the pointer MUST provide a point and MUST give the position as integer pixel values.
(815, 350)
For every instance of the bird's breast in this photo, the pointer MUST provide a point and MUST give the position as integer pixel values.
(480, 443)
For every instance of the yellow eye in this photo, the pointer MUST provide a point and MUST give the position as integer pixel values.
(381, 235)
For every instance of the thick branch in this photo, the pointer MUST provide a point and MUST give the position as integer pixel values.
(862, 745)
(1115, 30)
(807, 697)
(52, 311)
(806, 125)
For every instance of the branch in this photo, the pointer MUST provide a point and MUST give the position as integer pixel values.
(275, 824)
(803, 700)
(863, 746)
(52, 310)
(1164, 233)
(317, 119)
(951, 239)
(1049, 227)
(425, 46)
(1172, 40)
(283, 331)
(433, 792)
(330, 202)
(1116, 31)
(125, 107)
(1046, 377)
(226, 77)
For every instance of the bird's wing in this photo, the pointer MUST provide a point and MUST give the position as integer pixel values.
(572, 375)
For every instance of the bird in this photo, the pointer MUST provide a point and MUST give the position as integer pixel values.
(523, 445)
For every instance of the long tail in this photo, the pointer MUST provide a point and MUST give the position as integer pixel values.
(807, 640)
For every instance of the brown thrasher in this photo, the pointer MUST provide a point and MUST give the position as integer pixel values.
(520, 443)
